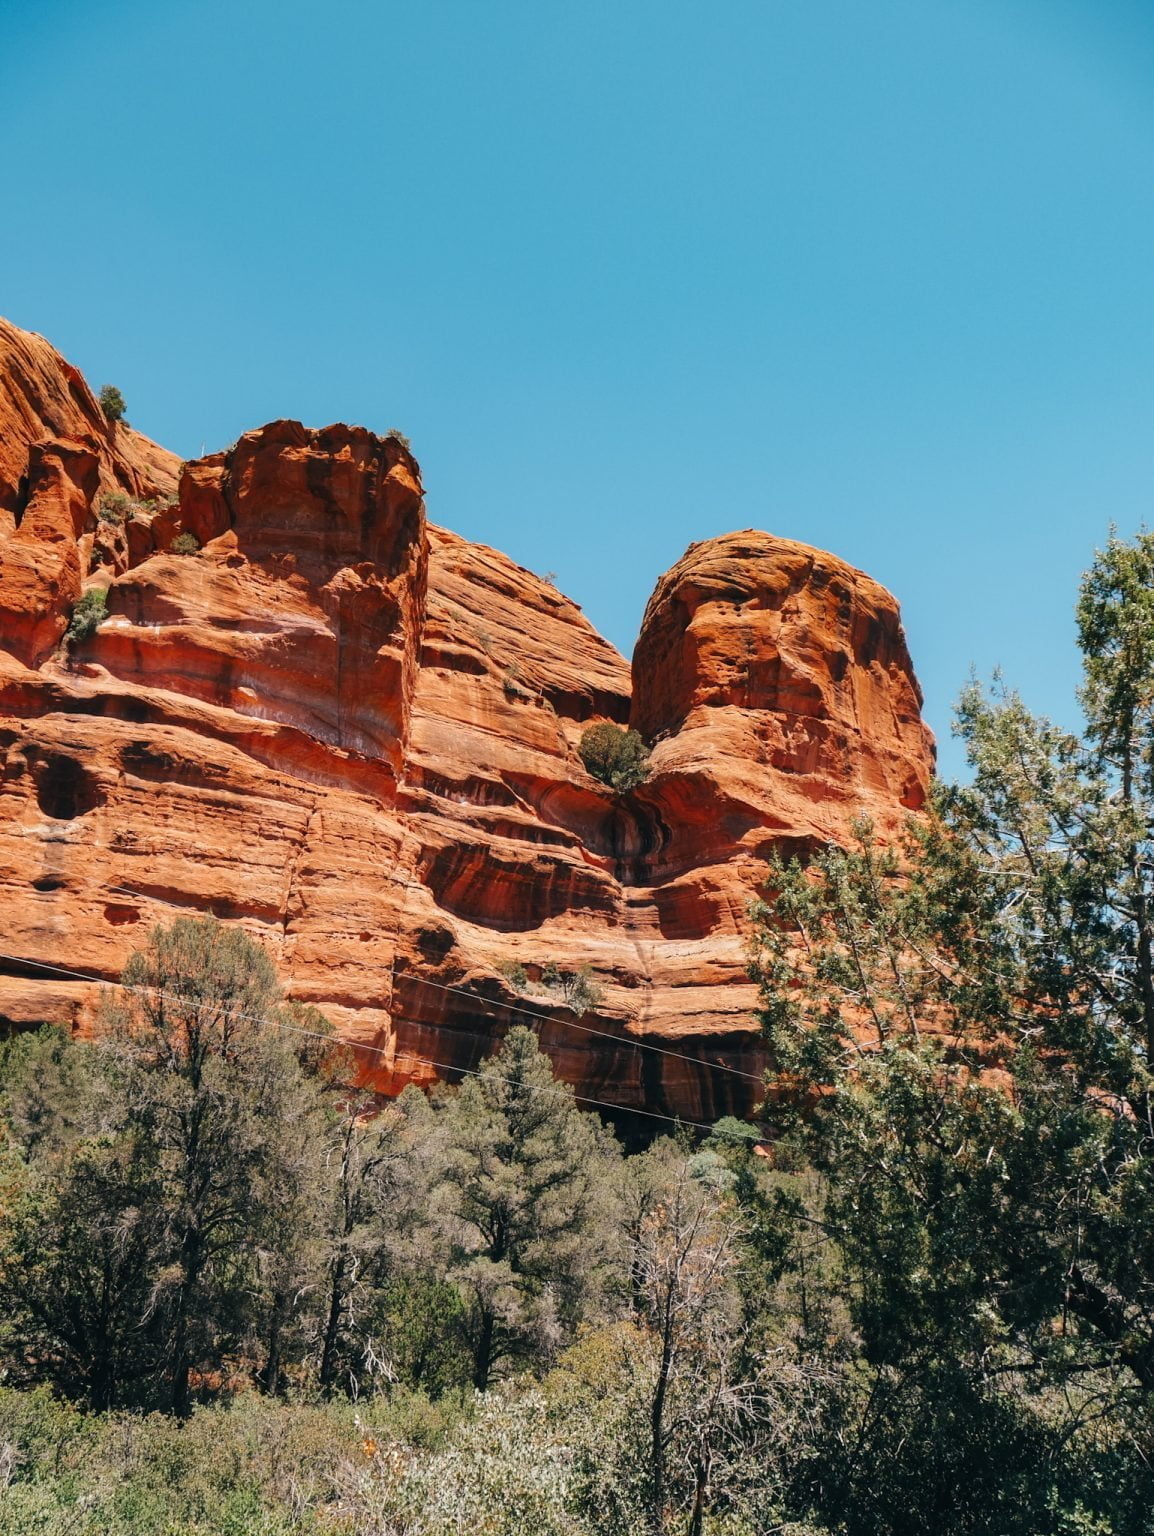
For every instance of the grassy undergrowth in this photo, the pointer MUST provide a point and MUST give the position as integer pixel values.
(255, 1465)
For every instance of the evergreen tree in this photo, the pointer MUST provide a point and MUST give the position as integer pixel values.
(81, 1252)
(213, 1081)
(526, 1177)
(961, 1034)
(170, 1176)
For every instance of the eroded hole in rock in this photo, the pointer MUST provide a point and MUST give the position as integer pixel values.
(434, 944)
(48, 883)
(64, 789)
(120, 913)
(476, 882)
(21, 504)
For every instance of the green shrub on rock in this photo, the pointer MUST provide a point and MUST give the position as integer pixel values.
(88, 614)
(614, 755)
(113, 507)
(112, 403)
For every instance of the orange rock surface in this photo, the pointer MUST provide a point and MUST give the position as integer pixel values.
(58, 450)
(357, 734)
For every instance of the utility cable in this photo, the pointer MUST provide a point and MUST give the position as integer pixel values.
(533, 1013)
(376, 1050)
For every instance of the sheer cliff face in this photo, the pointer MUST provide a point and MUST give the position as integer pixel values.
(356, 734)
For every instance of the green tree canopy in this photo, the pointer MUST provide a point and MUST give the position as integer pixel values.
(112, 402)
(527, 1178)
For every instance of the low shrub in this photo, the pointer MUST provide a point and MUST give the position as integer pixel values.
(185, 544)
(515, 974)
(113, 507)
(512, 685)
(88, 614)
(151, 505)
(615, 756)
(576, 989)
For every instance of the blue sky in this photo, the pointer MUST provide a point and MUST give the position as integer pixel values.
(632, 273)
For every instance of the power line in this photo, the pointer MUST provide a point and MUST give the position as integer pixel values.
(604, 1034)
(376, 1050)
(533, 1013)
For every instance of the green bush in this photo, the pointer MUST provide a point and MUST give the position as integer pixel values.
(113, 507)
(614, 755)
(112, 403)
(399, 437)
(88, 614)
(576, 989)
(515, 974)
(151, 505)
(185, 544)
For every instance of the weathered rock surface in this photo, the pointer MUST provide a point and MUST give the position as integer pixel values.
(357, 734)
(58, 450)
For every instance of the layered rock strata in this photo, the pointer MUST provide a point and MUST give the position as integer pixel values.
(357, 734)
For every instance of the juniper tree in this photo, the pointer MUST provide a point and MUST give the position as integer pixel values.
(216, 1084)
(961, 1037)
(81, 1245)
(112, 402)
(616, 756)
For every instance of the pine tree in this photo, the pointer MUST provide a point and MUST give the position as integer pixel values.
(525, 1182)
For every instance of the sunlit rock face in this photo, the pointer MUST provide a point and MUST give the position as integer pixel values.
(58, 451)
(356, 734)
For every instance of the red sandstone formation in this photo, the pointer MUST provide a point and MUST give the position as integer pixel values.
(57, 451)
(356, 734)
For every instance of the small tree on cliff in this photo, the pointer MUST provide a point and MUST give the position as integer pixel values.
(614, 755)
(527, 1177)
(112, 402)
(90, 612)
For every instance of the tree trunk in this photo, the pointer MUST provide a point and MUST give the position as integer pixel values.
(333, 1327)
(483, 1352)
(700, 1496)
(272, 1369)
(657, 1425)
(103, 1379)
(192, 1260)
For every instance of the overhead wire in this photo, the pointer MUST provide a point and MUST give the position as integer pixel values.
(315, 1034)
(604, 1034)
(492, 1003)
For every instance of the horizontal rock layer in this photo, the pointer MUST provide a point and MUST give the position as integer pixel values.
(357, 735)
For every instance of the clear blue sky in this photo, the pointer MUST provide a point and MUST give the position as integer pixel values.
(632, 273)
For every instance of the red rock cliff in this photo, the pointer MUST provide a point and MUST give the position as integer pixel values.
(357, 734)
(57, 451)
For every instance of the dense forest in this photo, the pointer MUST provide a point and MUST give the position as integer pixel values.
(916, 1297)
